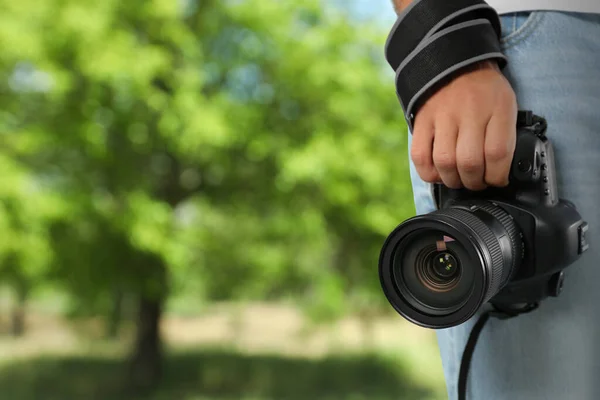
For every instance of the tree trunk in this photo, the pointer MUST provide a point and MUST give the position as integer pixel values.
(147, 358)
(18, 314)
(146, 363)
(115, 316)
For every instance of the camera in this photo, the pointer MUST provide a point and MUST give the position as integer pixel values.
(504, 246)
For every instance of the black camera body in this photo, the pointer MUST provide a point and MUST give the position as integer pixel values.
(551, 229)
(508, 246)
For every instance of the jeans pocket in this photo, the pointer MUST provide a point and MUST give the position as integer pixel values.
(517, 26)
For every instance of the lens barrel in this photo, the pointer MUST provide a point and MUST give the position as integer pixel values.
(438, 269)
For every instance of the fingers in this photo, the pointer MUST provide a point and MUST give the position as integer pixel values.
(422, 149)
(465, 133)
(476, 155)
(499, 147)
(470, 159)
(444, 153)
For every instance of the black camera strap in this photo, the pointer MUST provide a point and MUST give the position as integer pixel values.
(432, 40)
(427, 18)
(467, 356)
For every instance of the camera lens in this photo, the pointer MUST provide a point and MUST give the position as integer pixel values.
(431, 285)
(444, 266)
(438, 269)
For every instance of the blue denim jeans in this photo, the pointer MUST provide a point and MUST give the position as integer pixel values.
(554, 352)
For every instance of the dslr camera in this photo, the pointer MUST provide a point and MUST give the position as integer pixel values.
(504, 246)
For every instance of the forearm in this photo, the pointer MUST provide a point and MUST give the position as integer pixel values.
(400, 5)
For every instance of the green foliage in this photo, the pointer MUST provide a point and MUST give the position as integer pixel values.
(254, 149)
(25, 210)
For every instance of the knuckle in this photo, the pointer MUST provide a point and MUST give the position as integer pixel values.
(422, 119)
(419, 156)
(470, 164)
(423, 124)
(444, 159)
(508, 96)
(475, 96)
(496, 152)
(428, 176)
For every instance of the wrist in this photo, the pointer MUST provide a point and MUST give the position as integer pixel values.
(482, 65)
(488, 64)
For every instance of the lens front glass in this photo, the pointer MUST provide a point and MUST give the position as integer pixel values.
(433, 271)
(438, 270)
(444, 266)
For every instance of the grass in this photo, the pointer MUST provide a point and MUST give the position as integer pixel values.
(217, 374)
(258, 352)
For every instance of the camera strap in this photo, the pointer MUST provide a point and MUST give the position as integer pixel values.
(500, 313)
(432, 40)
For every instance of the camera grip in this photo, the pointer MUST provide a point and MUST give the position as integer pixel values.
(533, 171)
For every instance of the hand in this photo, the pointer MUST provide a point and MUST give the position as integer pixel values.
(465, 134)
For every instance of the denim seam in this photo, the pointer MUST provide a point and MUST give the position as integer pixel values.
(517, 32)
(526, 30)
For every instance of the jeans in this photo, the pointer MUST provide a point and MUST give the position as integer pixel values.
(554, 352)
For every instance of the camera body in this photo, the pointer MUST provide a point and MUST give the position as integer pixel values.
(507, 246)
(552, 232)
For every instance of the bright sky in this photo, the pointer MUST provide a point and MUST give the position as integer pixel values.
(381, 9)
(378, 9)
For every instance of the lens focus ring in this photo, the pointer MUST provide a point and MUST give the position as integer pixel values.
(490, 243)
(516, 243)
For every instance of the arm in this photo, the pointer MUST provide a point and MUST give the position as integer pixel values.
(465, 134)
(399, 5)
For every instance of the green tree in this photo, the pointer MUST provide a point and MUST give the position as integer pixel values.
(25, 210)
(253, 146)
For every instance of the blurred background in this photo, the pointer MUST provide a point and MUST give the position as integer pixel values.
(193, 198)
